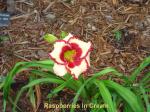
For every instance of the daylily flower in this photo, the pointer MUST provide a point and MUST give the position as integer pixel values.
(71, 55)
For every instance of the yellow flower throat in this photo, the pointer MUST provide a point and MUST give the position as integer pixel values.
(69, 55)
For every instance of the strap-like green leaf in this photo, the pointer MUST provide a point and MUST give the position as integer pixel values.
(126, 94)
(106, 96)
(146, 99)
(103, 72)
(33, 83)
(20, 66)
(137, 71)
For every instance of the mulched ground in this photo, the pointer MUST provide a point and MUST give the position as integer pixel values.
(91, 20)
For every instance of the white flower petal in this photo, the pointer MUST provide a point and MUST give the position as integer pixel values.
(83, 45)
(68, 37)
(77, 70)
(59, 70)
(55, 54)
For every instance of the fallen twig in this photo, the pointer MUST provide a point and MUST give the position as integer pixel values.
(23, 58)
(22, 16)
(49, 6)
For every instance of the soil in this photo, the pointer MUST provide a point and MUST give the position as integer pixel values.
(91, 20)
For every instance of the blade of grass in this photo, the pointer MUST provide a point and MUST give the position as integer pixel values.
(4, 105)
(96, 100)
(59, 88)
(103, 72)
(126, 94)
(12, 102)
(105, 95)
(127, 108)
(97, 110)
(32, 98)
(20, 66)
(75, 85)
(147, 90)
(45, 74)
(137, 71)
(33, 83)
(32, 95)
(146, 78)
(1, 85)
(145, 98)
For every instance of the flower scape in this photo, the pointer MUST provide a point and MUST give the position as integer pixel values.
(71, 55)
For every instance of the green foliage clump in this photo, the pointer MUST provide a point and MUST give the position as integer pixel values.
(131, 94)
